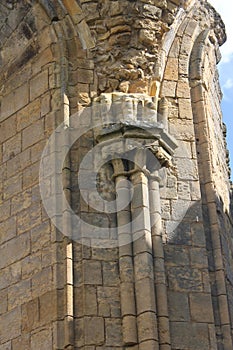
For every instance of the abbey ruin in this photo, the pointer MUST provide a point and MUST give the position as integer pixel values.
(115, 207)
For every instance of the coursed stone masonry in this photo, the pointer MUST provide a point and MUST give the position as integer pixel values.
(170, 285)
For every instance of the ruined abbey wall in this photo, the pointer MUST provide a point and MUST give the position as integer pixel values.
(165, 281)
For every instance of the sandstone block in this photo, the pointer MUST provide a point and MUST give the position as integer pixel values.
(8, 128)
(178, 304)
(19, 293)
(39, 85)
(171, 72)
(176, 255)
(48, 309)
(147, 328)
(183, 89)
(90, 300)
(85, 76)
(33, 134)
(42, 340)
(198, 234)
(28, 115)
(31, 265)
(110, 273)
(3, 301)
(94, 330)
(184, 336)
(169, 88)
(185, 108)
(15, 249)
(22, 342)
(92, 272)
(113, 332)
(7, 229)
(12, 186)
(30, 315)
(14, 101)
(143, 264)
(198, 257)
(201, 307)
(42, 282)
(145, 295)
(21, 201)
(6, 346)
(10, 325)
(183, 279)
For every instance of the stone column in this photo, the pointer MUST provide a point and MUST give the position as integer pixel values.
(127, 292)
(159, 268)
(143, 259)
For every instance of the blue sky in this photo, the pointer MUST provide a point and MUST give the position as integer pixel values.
(225, 9)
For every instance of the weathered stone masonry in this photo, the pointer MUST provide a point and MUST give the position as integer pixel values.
(172, 288)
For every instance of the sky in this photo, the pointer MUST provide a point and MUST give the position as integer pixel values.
(225, 9)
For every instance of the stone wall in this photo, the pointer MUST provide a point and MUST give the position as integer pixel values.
(67, 287)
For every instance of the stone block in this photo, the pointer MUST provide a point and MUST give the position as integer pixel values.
(183, 89)
(108, 301)
(182, 129)
(145, 295)
(171, 71)
(147, 326)
(169, 88)
(5, 208)
(31, 175)
(6, 346)
(176, 255)
(33, 134)
(85, 76)
(184, 279)
(10, 325)
(185, 108)
(21, 201)
(30, 315)
(28, 115)
(184, 336)
(110, 273)
(184, 190)
(12, 186)
(31, 265)
(40, 236)
(28, 218)
(14, 101)
(19, 293)
(22, 342)
(92, 272)
(198, 234)
(15, 249)
(48, 309)
(11, 147)
(10, 275)
(94, 330)
(43, 58)
(201, 308)
(39, 85)
(179, 232)
(90, 300)
(8, 128)
(42, 340)
(3, 301)
(178, 306)
(42, 282)
(198, 258)
(187, 169)
(113, 332)
(143, 265)
(19, 162)
(7, 229)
